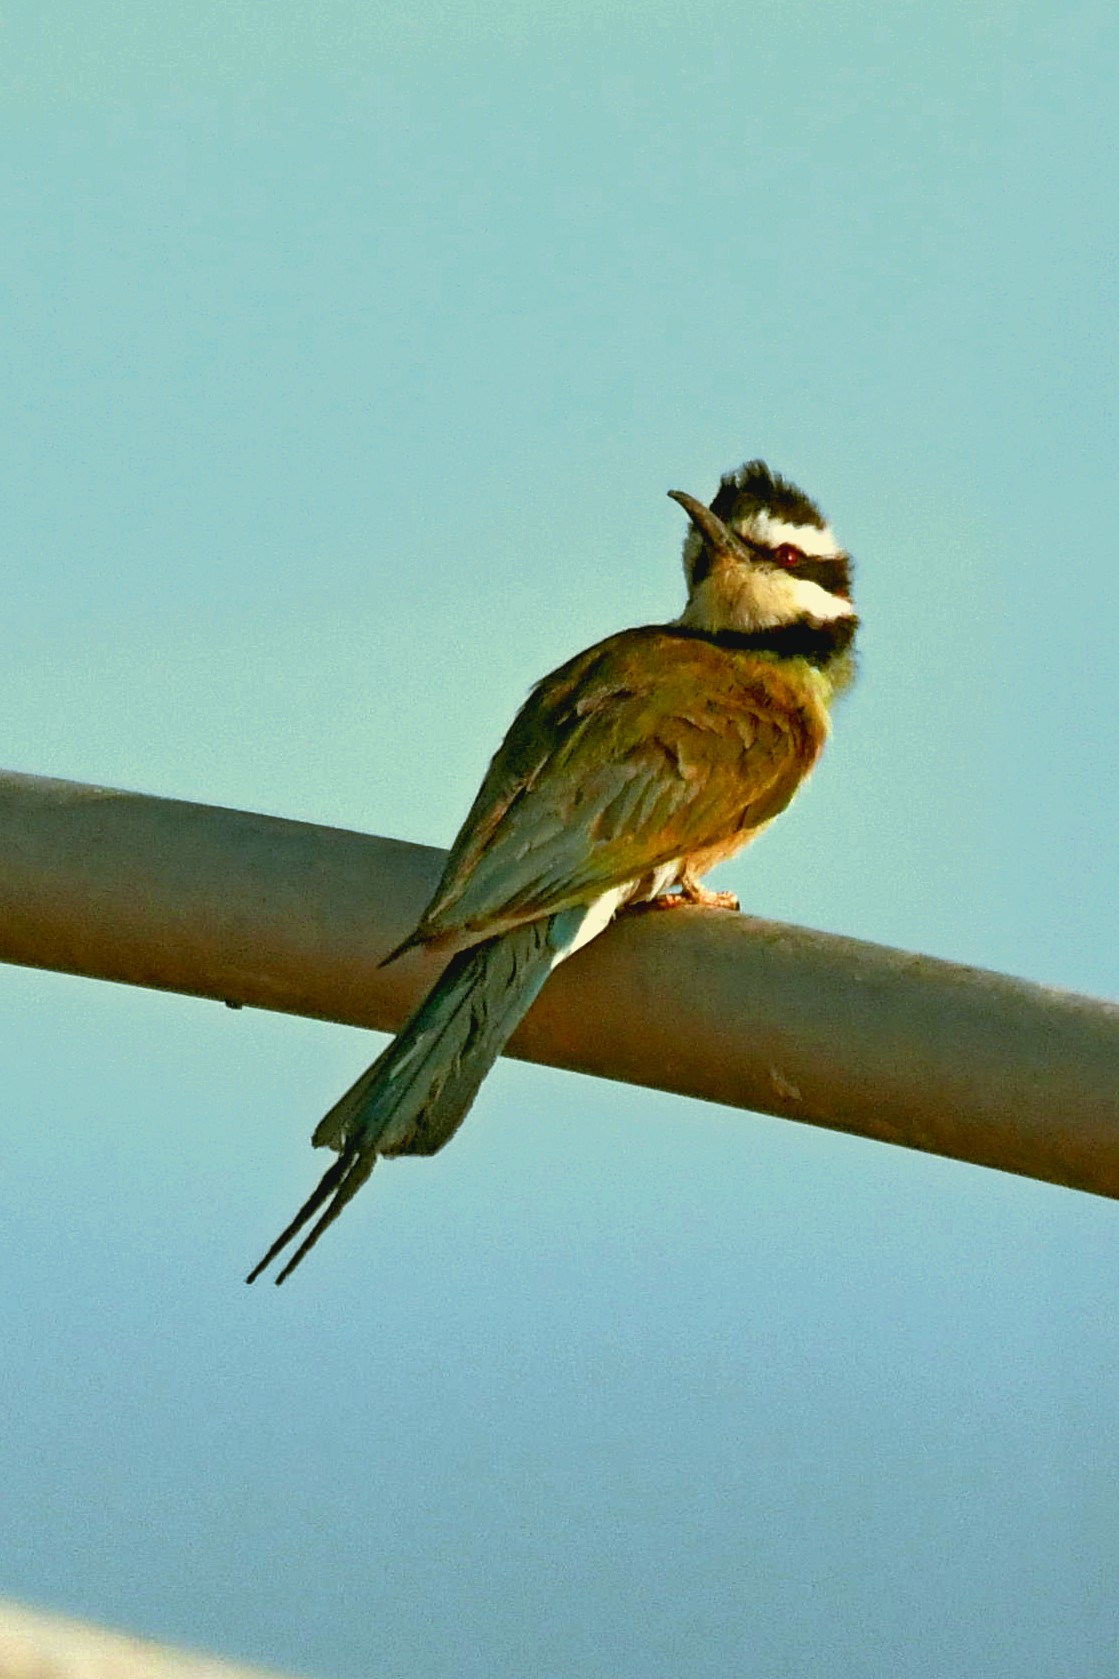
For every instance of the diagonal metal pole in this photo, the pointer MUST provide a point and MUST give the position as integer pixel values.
(256, 910)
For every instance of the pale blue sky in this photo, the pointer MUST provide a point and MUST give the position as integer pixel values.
(348, 358)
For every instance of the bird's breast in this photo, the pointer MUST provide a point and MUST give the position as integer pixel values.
(707, 857)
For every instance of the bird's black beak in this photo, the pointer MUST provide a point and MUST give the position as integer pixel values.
(724, 546)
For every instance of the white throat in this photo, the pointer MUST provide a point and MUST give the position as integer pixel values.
(759, 597)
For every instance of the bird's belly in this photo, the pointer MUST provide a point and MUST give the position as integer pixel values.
(599, 913)
(653, 884)
(578, 927)
(698, 862)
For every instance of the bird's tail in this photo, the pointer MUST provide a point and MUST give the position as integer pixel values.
(416, 1094)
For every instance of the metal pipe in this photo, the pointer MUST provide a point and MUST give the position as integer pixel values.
(284, 915)
(38, 1645)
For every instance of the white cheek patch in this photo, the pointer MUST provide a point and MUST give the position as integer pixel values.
(817, 543)
(757, 597)
(806, 599)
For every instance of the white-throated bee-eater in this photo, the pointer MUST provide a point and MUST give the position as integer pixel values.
(627, 774)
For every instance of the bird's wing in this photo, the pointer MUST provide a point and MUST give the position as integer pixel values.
(653, 744)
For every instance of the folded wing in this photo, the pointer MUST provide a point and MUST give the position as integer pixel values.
(652, 745)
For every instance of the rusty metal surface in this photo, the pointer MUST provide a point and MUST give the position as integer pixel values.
(831, 1031)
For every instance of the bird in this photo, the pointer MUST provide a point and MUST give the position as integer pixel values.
(629, 772)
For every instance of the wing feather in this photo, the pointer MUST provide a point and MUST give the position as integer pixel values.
(653, 744)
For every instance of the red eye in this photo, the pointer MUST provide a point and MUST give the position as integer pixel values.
(787, 555)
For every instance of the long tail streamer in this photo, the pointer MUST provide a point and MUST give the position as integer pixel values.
(416, 1094)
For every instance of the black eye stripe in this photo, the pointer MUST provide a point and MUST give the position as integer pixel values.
(831, 572)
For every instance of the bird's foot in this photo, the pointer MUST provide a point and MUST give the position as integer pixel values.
(691, 893)
(696, 894)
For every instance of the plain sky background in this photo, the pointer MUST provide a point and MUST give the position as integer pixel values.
(348, 352)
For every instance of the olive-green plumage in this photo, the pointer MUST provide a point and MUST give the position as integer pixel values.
(653, 745)
(634, 767)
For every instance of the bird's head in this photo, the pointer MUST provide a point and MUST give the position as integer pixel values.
(761, 557)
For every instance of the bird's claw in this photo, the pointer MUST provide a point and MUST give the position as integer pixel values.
(696, 895)
(713, 900)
